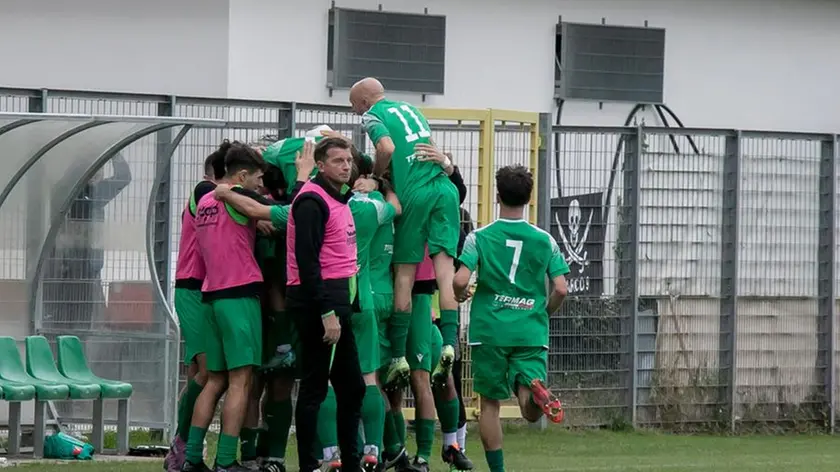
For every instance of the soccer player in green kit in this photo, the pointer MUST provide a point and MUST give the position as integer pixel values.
(431, 216)
(509, 314)
(371, 211)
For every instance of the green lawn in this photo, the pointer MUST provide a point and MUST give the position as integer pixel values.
(560, 450)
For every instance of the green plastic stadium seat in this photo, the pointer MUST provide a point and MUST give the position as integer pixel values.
(73, 365)
(17, 392)
(11, 370)
(40, 365)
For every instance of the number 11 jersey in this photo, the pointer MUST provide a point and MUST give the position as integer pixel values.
(406, 126)
(511, 259)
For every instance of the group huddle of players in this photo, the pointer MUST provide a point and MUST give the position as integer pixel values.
(405, 204)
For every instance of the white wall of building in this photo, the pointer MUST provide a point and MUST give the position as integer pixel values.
(765, 64)
(152, 46)
(749, 64)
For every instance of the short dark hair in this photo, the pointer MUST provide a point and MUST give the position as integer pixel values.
(326, 144)
(363, 162)
(243, 157)
(273, 178)
(215, 163)
(514, 185)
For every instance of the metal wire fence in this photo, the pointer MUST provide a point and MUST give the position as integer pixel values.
(703, 284)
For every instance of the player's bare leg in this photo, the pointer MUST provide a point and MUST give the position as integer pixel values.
(237, 398)
(397, 374)
(444, 274)
(536, 400)
(205, 408)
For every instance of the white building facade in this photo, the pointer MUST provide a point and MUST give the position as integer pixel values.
(756, 64)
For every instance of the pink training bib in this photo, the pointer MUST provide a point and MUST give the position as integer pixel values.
(338, 252)
(189, 265)
(227, 246)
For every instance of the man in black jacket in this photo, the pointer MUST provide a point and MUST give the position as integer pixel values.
(321, 303)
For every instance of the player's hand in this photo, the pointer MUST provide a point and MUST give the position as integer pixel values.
(222, 191)
(332, 329)
(265, 227)
(365, 185)
(429, 153)
(335, 134)
(466, 295)
(305, 161)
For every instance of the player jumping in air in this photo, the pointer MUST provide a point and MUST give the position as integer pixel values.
(510, 308)
(430, 216)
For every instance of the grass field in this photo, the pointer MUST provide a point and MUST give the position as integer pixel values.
(560, 450)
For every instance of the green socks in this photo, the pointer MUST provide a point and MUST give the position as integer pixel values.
(398, 333)
(185, 408)
(227, 449)
(449, 327)
(391, 440)
(425, 431)
(327, 432)
(248, 444)
(195, 445)
(278, 420)
(495, 460)
(399, 424)
(448, 412)
(373, 418)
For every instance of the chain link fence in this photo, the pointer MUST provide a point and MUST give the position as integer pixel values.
(702, 291)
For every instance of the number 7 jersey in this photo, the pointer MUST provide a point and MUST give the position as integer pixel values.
(406, 126)
(511, 259)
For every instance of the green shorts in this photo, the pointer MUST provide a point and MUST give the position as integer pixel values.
(497, 371)
(418, 349)
(436, 345)
(279, 329)
(366, 332)
(383, 305)
(236, 339)
(429, 215)
(193, 317)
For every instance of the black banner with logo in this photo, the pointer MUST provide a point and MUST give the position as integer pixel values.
(577, 225)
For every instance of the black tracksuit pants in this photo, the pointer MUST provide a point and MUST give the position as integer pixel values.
(345, 376)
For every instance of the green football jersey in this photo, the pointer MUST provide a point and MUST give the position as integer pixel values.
(406, 126)
(282, 155)
(381, 253)
(512, 259)
(370, 211)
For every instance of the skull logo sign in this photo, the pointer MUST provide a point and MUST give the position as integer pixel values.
(575, 244)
